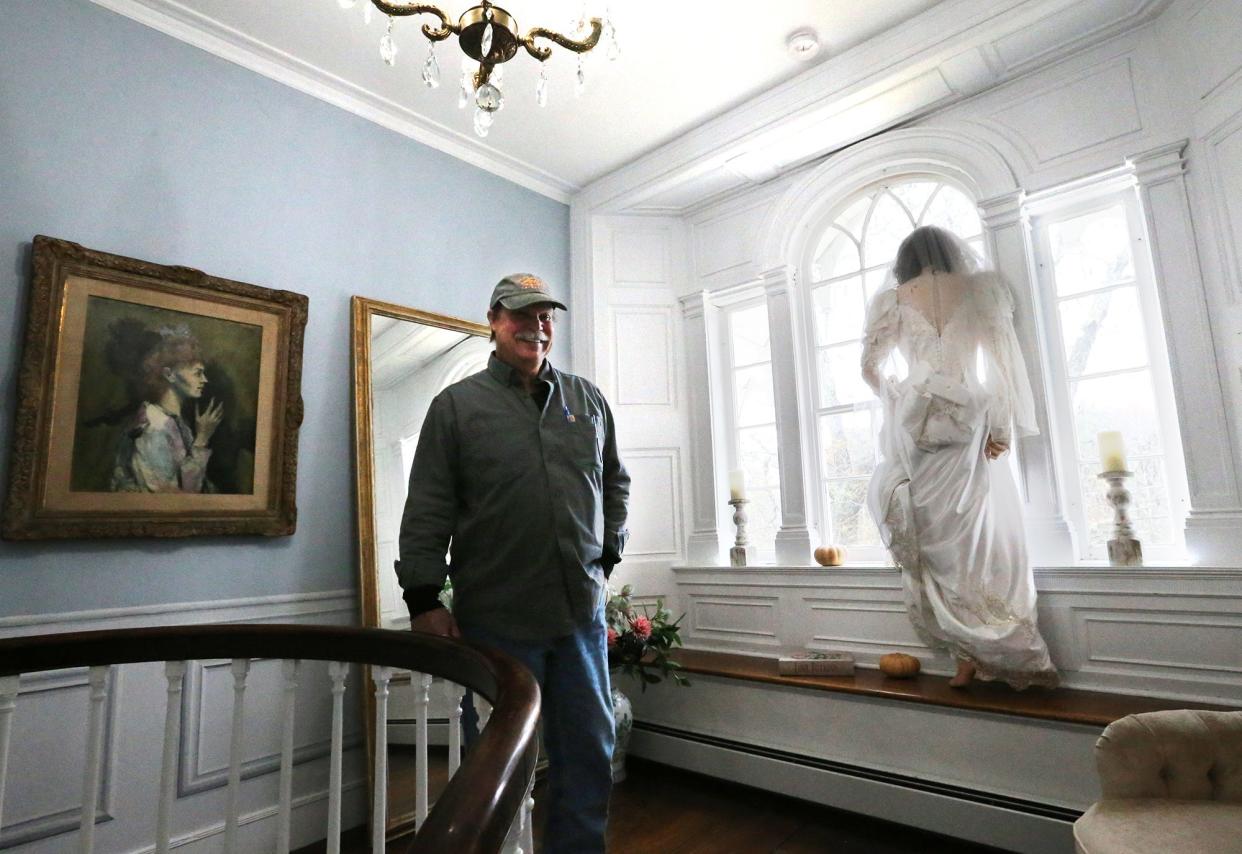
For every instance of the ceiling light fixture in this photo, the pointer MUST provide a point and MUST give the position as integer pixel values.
(489, 37)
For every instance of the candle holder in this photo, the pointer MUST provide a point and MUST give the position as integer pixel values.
(737, 554)
(1123, 549)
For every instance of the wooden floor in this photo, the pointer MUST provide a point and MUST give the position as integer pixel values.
(662, 810)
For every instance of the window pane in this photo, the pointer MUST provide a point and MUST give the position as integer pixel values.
(914, 196)
(952, 210)
(837, 255)
(752, 390)
(1103, 332)
(885, 230)
(1125, 402)
(851, 219)
(874, 281)
(848, 443)
(847, 507)
(748, 332)
(1091, 251)
(756, 455)
(839, 311)
(763, 518)
(840, 377)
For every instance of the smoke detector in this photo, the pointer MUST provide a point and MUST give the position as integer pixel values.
(802, 44)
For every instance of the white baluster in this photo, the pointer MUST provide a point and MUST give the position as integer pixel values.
(289, 670)
(379, 790)
(337, 670)
(240, 668)
(483, 709)
(528, 822)
(94, 757)
(174, 672)
(454, 692)
(422, 701)
(8, 702)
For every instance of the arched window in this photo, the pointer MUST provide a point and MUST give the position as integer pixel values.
(847, 264)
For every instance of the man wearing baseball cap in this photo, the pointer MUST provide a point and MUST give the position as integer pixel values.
(517, 476)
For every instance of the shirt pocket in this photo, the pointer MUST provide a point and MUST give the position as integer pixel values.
(583, 440)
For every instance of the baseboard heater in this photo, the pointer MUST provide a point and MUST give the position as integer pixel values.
(1033, 808)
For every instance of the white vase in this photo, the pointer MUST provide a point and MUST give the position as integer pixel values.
(623, 722)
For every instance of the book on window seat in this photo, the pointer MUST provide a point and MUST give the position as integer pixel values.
(816, 664)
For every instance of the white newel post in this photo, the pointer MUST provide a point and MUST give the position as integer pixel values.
(1009, 241)
(1214, 523)
(796, 539)
(704, 544)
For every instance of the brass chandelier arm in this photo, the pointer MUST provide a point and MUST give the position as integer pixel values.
(542, 53)
(404, 10)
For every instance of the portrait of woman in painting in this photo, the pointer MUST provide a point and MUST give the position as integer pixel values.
(157, 451)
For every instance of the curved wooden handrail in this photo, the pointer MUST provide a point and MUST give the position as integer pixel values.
(475, 810)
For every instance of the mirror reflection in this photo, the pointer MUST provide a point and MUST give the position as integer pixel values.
(403, 358)
(411, 363)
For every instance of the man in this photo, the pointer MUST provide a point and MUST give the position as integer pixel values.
(517, 470)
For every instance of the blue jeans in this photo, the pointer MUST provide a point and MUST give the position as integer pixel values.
(572, 672)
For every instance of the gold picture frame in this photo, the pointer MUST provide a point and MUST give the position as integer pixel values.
(153, 401)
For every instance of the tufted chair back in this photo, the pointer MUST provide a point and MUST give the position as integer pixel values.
(1181, 754)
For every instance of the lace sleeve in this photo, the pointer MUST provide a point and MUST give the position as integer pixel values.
(1007, 380)
(879, 339)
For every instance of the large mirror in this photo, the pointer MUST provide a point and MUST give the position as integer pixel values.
(402, 358)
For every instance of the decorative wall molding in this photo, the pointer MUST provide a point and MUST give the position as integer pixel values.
(185, 24)
(1159, 631)
(643, 348)
(655, 503)
(59, 693)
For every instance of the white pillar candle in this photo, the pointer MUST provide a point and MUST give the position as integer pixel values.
(1112, 451)
(737, 485)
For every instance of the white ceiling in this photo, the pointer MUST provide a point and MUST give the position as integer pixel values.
(680, 65)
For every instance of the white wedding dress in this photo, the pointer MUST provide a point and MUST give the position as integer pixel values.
(951, 518)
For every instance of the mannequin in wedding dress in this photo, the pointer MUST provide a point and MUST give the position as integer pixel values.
(945, 503)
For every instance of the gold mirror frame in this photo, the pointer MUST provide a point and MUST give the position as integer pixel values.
(363, 310)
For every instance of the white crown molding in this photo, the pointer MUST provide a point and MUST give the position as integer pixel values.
(176, 20)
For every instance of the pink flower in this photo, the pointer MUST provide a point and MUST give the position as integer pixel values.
(641, 627)
(612, 638)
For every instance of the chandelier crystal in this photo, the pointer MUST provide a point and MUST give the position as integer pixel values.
(489, 37)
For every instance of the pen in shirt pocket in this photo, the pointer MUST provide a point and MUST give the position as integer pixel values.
(569, 416)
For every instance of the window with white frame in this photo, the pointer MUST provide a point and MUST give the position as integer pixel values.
(753, 418)
(847, 264)
(1108, 367)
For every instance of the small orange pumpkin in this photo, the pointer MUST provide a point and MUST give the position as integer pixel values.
(830, 555)
(898, 665)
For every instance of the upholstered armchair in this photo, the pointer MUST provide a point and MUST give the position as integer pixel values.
(1171, 782)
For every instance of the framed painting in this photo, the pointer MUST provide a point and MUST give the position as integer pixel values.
(153, 401)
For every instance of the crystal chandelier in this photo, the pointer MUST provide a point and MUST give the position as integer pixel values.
(489, 37)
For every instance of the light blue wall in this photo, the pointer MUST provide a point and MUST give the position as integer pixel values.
(125, 140)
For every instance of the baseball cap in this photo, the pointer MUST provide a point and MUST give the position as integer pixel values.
(519, 290)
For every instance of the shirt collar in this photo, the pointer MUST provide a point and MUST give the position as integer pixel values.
(506, 374)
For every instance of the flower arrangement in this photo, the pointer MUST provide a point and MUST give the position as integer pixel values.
(639, 642)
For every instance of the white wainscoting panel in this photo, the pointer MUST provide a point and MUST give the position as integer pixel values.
(38, 812)
(655, 508)
(1224, 155)
(43, 795)
(1212, 35)
(643, 350)
(1166, 632)
(641, 257)
(727, 242)
(1101, 101)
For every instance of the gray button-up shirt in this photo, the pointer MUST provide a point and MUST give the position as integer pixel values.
(531, 502)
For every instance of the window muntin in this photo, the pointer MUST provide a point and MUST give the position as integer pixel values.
(848, 264)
